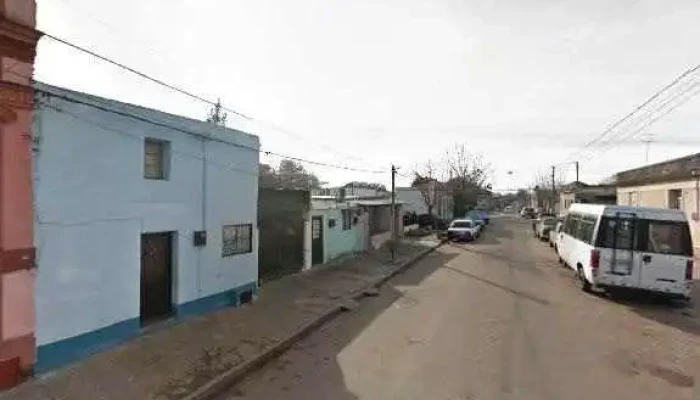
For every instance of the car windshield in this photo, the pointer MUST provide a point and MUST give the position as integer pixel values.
(462, 224)
(549, 222)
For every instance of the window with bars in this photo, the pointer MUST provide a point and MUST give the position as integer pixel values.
(155, 159)
(236, 239)
(347, 220)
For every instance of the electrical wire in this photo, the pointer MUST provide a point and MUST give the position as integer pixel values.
(199, 134)
(649, 100)
(187, 93)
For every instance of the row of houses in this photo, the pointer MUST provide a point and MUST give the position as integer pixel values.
(300, 229)
(673, 184)
(140, 216)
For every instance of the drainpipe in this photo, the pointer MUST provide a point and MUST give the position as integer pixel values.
(203, 214)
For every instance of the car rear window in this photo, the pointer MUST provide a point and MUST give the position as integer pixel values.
(668, 237)
(462, 224)
(651, 236)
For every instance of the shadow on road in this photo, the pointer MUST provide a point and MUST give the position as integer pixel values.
(524, 295)
(674, 313)
(311, 369)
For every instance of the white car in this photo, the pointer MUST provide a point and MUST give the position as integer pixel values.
(463, 229)
(554, 236)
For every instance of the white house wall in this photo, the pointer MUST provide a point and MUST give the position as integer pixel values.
(92, 204)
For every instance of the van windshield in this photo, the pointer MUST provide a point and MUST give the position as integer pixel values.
(652, 236)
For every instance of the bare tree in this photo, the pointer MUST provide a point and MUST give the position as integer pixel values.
(460, 173)
(469, 176)
(428, 177)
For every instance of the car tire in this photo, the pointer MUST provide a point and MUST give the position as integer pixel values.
(582, 281)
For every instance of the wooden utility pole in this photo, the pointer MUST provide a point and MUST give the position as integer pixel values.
(554, 195)
(577, 171)
(394, 220)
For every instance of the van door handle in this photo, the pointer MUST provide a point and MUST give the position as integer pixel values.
(646, 258)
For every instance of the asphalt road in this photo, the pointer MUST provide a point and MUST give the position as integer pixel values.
(495, 319)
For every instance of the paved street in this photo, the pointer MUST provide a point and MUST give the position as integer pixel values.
(497, 319)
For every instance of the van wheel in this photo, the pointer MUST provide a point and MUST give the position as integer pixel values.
(583, 282)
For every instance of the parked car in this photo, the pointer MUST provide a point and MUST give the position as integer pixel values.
(527, 212)
(555, 234)
(621, 247)
(463, 229)
(482, 215)
(478, 216)
(544, 226)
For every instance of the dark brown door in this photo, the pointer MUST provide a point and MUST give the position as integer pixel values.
(156, 276)
(316, 240)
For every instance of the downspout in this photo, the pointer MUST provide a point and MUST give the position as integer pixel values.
(203, 215)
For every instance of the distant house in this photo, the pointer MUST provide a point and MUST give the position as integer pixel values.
(344, 226)
(140, 216)
(415, 199)
(579, 192)
(669, 184)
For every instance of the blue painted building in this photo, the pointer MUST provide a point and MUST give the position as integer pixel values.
(140, 216)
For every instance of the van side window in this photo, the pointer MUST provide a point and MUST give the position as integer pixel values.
(585, 229)
(616, 233)
(571, 224)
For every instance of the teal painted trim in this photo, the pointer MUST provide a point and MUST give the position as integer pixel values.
(60, 353)
(53, 355)
(214, 302)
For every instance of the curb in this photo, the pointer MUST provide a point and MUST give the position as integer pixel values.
(235, 375)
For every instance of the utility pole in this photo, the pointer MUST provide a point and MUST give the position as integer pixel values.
(696, 175)
(394, 221)
(577, 171)
(554, 168)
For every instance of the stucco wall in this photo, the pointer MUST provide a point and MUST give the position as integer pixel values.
(338, 242)
(93, 203)
(656, 195)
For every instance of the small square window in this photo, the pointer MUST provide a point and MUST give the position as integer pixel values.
(155, 159)
(236, 239)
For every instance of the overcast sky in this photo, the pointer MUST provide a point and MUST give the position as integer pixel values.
(365, 83)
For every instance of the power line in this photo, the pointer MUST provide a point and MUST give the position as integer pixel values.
(651, 121)
(638, 108)
(186, 92)
(199, 134)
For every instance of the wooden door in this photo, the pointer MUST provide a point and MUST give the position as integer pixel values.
(156, 276)
(316, 240)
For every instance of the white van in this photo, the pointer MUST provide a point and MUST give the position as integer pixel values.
(614, 246)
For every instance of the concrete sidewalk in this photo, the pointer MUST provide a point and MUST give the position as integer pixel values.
(193, 358)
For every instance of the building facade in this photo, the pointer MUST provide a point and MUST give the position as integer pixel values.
(18, 39)
(414, 200)
(579, 192)
(140, 216)
(670, 184)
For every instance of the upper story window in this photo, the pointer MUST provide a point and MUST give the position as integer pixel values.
(155, 159)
